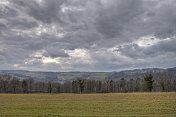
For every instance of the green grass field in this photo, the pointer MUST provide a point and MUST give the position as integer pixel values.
(112, 104)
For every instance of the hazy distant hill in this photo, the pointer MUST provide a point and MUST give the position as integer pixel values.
(63, 76)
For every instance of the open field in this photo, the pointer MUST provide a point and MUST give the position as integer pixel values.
(116, 104)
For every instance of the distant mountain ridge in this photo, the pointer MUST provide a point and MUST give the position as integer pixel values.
(64, 76)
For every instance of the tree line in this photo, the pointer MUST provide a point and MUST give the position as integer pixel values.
(10, 84)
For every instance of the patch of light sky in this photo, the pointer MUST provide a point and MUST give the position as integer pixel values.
(82, 55)
(48, 29)
(4, 2)
(45, 60)
(77, 53)
(149, 41)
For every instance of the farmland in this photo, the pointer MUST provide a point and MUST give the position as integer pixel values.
(110, 104)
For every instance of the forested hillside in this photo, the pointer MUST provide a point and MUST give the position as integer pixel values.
(164, 81)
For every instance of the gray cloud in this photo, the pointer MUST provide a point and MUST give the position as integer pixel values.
(135, 51)
(7, 12)
(115, 19)
(97, 35)
(23, 24)
(45, 11)
(54, 52)
(161, 19)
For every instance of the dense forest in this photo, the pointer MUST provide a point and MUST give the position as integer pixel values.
(161, 83)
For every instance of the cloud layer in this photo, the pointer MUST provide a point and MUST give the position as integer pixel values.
(87, 35)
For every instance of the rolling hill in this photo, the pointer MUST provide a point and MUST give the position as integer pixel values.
(64, 76)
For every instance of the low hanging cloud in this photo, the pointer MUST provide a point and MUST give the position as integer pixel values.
(87, 35)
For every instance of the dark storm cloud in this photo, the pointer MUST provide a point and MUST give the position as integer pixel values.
(114, 20)
(6, 12)
(161, 48)
(2, 27)
(23, 24)
(86, 34)
(47, 11)
(160, 20)
(55, 52)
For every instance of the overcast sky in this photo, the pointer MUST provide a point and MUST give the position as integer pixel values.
(87, 35)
